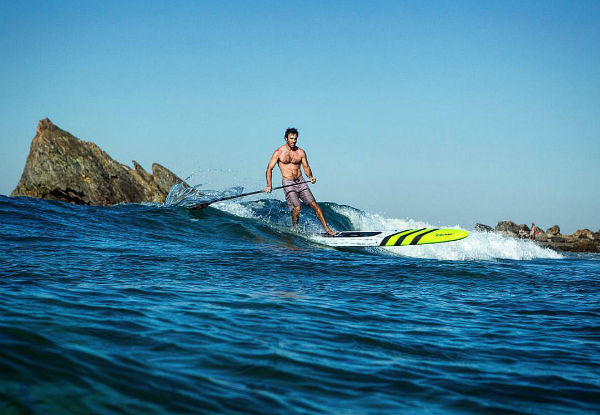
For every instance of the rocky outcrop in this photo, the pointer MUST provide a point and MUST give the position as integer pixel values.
(483, 228)
(553, 230)
(582, 240)
(584, 234)
(164, 178)
(63, 167)
(540, 235)
(507, 227)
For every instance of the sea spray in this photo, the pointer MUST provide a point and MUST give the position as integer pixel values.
(182, 195)
(478, 246)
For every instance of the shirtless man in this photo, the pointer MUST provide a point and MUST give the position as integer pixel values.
(289, 157)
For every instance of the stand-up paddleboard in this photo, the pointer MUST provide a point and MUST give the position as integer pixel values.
(391, 238)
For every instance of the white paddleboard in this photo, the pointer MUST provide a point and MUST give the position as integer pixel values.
(390, 238)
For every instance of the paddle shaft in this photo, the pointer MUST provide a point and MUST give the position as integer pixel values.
(203, 205)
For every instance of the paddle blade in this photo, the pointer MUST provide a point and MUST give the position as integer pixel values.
(201, 206)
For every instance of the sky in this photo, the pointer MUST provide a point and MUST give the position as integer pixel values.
(448, 112)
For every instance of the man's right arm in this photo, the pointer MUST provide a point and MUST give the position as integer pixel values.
(270, 167)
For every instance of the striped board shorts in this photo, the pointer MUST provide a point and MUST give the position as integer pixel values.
(298, 191)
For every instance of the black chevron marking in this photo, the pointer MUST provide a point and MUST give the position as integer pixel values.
(403, 237)
(418, 237)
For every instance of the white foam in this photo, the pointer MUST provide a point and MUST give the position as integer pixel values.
(478, 246)
(234, 208)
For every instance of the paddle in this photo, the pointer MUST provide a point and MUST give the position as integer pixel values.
(203, 205)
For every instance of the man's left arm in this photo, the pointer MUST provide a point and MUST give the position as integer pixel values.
(307, 169)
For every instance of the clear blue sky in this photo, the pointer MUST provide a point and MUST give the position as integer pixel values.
(445, 112)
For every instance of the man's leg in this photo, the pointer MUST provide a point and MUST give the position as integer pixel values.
(295, 216)
(319, 214)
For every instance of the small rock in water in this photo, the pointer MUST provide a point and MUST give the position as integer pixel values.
(552, 231)
(507, 227)
(479, 227)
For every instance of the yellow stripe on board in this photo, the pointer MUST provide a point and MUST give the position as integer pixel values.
(409, 239)
(393, 239)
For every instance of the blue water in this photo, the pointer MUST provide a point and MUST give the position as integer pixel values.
(144, 309)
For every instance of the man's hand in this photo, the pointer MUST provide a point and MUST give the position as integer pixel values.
(268, 189)
(312, 179)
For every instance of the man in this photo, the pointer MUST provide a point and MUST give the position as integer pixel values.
(289, 157)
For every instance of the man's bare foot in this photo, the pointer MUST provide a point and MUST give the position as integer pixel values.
(330, 232)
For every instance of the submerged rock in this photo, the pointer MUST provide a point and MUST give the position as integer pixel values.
(63, 167)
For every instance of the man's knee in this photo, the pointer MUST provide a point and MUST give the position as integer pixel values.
(296, 209)
(314, 205)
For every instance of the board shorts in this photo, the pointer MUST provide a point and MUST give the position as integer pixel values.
(298, 191)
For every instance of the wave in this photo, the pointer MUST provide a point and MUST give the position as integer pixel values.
(478, 246)
(236, 221)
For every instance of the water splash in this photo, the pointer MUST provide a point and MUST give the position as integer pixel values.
(183, 195)
(478, 246)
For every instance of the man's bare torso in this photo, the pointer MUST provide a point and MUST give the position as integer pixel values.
(289, 161)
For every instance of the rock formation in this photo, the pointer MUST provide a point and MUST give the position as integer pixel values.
(483, 228)
(63, 167)
(553, 231)
(582, 240)
(540, 235)
(583, 234)
(507, 227)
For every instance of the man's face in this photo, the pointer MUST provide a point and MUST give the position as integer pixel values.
(291, 140)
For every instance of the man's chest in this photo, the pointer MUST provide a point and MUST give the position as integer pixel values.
(290, 157)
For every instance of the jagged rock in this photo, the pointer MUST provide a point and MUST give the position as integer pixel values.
(507, 227)
(144, 175)
(164, 178)
(483, 228)
(63, 167)
(583, 240)
(541, 235)
(583, 234)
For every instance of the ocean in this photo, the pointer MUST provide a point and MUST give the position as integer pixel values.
(157, 309)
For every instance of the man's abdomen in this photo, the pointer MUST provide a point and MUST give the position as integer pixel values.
(290, 173)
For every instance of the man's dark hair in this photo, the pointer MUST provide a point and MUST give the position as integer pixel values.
(289, 131)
